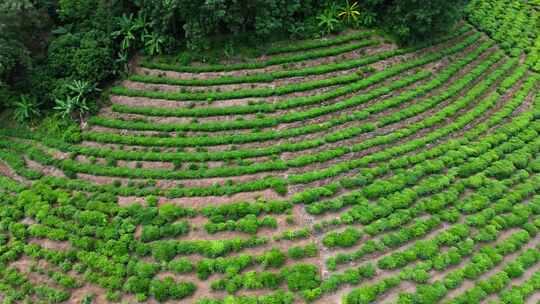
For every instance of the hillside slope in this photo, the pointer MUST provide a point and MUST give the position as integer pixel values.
(339, 170)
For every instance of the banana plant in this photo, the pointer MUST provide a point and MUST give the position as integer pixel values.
(328, 21)
(130, 29)
(350, 12)
(153, 43)
(25, 108)
(66, 106)
(82, 88)
(76, 101)
(122, 61)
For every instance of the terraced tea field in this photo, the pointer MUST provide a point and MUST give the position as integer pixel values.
(339, 170)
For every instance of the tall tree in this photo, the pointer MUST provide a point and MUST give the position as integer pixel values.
(417, 20)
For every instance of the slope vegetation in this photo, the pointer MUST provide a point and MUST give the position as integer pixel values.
(340, 170)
